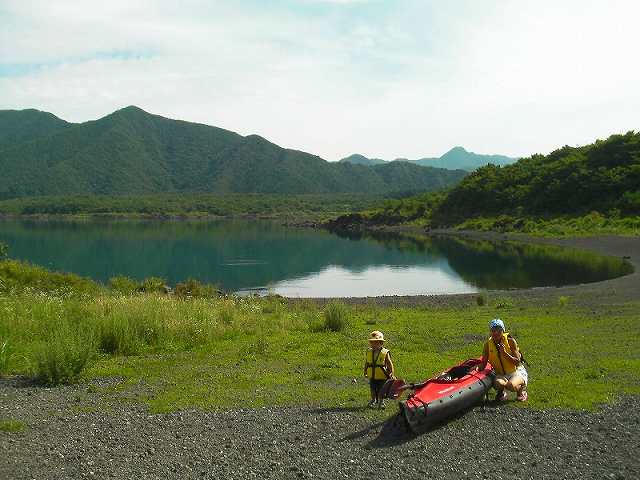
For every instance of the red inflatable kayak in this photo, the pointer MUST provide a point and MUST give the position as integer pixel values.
(438, 398)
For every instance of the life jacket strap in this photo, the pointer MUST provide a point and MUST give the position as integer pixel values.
(375, 365)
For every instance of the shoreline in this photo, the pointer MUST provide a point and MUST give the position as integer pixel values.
(617, 290)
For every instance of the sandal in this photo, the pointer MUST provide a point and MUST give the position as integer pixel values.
(523, 396)
(501, 396)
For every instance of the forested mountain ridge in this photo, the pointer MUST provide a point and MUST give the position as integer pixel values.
(18, 126)
(133, 152)
(572, 190)
(454, 159)
(601, 177)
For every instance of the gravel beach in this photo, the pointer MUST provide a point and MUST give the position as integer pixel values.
(71, 434)
(128, 442)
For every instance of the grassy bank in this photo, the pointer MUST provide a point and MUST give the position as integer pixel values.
(233, 352)
(561, 226)
(409, 213)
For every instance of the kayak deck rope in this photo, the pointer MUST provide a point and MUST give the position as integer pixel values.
(424, 406)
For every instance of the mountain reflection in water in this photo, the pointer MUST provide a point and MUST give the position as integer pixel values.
(242, 255)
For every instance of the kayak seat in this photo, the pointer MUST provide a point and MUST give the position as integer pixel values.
(457, 372)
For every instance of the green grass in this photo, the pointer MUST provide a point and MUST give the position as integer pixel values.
(11, 426)
(336, 317)
(17, 276)
(593, 223)
(234, 352)
(63, 355)
(5, 355)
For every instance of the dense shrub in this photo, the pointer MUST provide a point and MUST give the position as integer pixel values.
(153, 285)
(192, 288)
(17, 276)
(124, 285)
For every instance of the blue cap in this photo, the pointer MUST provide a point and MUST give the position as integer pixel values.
(496, 323)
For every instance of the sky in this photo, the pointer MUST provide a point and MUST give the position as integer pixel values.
(383, 78)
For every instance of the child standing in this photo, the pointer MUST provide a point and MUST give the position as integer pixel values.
(378, 367)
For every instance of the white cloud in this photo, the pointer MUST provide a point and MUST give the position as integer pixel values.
(385, 79)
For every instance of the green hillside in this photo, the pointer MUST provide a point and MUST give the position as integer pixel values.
(134, 152)
(19, 126)
(602, 177)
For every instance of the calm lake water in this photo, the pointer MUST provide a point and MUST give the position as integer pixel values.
(266, 257)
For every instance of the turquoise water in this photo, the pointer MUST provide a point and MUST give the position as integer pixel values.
(260, 256)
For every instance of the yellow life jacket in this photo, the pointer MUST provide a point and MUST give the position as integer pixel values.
(375, 365)
(501, 363)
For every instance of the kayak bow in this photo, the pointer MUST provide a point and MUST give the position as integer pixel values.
(438, 398)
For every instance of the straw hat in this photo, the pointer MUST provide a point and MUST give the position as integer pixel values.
(376, 336)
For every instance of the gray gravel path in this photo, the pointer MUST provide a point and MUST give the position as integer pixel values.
(65, 439)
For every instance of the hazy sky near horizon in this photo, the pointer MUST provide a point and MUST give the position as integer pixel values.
(384, 78)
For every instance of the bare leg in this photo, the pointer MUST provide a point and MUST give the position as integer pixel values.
(515, 384)
(499, 384)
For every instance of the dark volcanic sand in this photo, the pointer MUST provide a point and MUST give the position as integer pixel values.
(128, 442)
(65, 440)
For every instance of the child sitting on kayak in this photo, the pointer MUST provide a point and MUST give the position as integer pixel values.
(378, 367)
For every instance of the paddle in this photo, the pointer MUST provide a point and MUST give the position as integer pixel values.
(393, 388)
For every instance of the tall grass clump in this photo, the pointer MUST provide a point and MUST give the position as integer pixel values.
(153, 285)
(336, 317)
(62, 357)
(192, 288)
(129, 325)
(227, 313)
(482, 299)
(116, 336)
(5, 354)
(563, 301)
